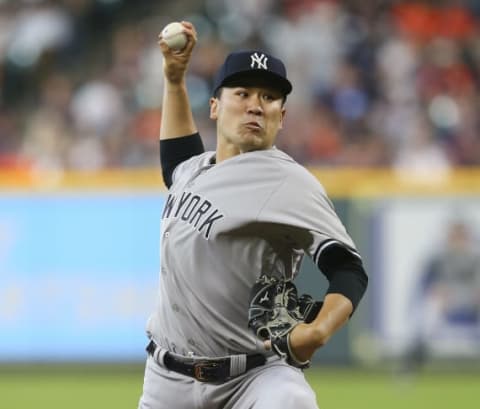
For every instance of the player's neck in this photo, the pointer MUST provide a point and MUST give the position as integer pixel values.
(226, 151)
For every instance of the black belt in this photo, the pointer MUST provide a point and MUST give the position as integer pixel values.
(205, 370)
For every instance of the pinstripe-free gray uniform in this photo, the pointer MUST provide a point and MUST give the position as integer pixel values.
(222, 226)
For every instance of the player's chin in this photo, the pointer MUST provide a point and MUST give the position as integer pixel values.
(254, 141)
(256, 146)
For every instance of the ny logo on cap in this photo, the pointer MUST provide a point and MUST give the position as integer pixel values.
(259, 60)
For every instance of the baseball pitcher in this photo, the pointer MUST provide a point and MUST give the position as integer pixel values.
(231, 330)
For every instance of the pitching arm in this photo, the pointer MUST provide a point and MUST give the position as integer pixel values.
(177, 117)
(179, 139)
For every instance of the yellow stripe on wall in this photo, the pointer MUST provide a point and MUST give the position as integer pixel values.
(386, 182)
(99, 180)
(338, 182)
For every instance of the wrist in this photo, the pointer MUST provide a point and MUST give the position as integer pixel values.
(175, 85)
(174, 74)
(295, 359)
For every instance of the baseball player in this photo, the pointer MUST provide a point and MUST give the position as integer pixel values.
(230, 330)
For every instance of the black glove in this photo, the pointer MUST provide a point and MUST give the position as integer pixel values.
(275, 309)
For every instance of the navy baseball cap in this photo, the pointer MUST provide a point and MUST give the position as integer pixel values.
(252, 67)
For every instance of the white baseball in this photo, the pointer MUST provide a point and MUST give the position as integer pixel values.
(174, 36)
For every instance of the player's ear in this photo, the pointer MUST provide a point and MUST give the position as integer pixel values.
(213, 108)
(282, 118)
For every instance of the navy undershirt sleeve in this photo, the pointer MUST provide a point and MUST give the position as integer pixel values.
(344, 272)
(177, 150)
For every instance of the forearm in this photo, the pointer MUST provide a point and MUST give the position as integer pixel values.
(177, 117)
(348, 282)
(305, 339)
(335, 312)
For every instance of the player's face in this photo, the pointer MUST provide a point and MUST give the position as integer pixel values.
(248, 118)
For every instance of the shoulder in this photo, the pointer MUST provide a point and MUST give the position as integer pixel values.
(295, 174)
(273, 158)
(200, 160)
(192, 164)
(286, 179)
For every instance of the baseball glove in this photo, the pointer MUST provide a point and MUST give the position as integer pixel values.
(275, 309)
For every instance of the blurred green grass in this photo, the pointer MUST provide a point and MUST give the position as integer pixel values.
(119, 387)
(424, 390)
(70, 386)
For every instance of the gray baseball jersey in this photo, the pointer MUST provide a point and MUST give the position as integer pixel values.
(222, 226)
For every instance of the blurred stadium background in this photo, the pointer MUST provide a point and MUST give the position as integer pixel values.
(385, 111)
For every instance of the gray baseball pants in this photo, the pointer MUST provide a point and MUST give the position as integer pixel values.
(273, 385)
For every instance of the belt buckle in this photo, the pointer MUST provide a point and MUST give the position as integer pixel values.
(201, 371)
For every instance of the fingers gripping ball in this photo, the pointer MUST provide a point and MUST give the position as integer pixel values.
(174, 36)
(275, 309)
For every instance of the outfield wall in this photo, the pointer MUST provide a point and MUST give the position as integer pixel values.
(79, 257)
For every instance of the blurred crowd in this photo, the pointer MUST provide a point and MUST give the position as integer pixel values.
(376, 83)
